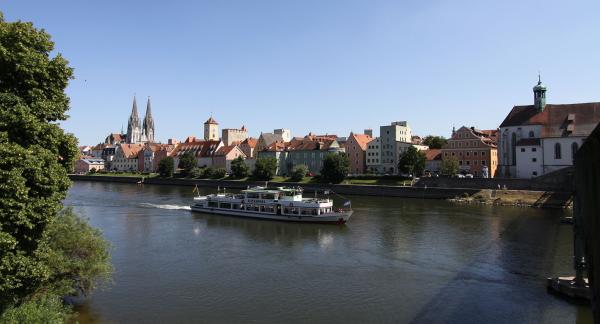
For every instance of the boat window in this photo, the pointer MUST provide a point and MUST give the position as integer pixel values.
(213, 204)
(235, 206)
(314, 211)
(268, 196)
(225, 205)
(253, 195)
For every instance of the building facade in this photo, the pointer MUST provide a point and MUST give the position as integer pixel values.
(541, 138)
(373, 159)
(356, 150)
(231, 136)
(391, 137)
(211, 130)
(126, 157)
(475, 150)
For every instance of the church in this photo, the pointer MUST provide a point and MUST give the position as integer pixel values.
(541, 138)
(140, 132)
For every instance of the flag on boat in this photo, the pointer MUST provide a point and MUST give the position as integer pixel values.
(195, 189)
(347, 203)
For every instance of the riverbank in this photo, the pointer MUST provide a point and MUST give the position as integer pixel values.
(526, 198)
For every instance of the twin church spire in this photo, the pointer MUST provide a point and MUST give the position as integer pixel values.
(136, 132)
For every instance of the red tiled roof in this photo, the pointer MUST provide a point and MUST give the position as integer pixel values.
(211, 120)
(131, 150)
(198, 148)
(555, 119)
(433, 154)
(362, 140)
(224, 150)
(250, 141)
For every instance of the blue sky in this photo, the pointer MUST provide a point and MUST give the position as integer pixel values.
(321, 66)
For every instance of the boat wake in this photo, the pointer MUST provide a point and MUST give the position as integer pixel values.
(174, 207)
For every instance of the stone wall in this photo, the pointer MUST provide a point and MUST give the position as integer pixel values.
(560, 180)
(587, 184)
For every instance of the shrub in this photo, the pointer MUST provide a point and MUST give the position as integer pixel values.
(239, 168)
(196, 173)
(298, 172)
(335, 168)
(187, 162)
(219, 173)
(265, 168)
(165, 167)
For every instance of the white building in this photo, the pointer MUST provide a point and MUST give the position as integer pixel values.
(373, 161)
(541, 138)
(392, 139)
(126, 157)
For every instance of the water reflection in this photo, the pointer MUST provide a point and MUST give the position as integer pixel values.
(397, 260)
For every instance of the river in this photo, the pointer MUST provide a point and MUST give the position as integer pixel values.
(396, 261)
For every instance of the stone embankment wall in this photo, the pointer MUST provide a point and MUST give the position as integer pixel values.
(464, 195)
(560, 180)
(587, 186)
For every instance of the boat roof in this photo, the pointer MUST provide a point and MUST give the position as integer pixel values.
(271, 190)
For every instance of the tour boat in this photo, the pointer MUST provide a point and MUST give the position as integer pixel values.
(281, 203)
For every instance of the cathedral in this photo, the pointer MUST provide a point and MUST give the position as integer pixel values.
(138, 132)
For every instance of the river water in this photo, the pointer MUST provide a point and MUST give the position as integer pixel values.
(396, 261)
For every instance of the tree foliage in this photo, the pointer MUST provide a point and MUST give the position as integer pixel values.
(435, 142)
(219, 173)
(187, 162)
(299, 172)
(239, 168)
(265, 168)
(166, 166)
(335, 168)
(35, 156)
(412, 162)
(449, 166)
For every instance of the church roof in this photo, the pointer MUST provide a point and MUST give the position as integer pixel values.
(211, 120)
(557, 120)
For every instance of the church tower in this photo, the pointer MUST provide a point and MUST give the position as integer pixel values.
(211, 130)
(539, 95)
(148, 126)
(134, 129)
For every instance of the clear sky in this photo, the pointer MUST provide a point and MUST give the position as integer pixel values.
(326, 66)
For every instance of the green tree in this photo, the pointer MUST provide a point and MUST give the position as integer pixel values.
(196, 173)
(412, 162)
(265, 168)
(435, 142)
(449, 166)
(239, 168)
(165, 167)
(299, 172)
(219, 173)
(187, 162)
(35, 156)
(208, 172)
(335, 168)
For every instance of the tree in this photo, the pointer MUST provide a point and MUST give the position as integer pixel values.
(299, 172)
(187, 162)
(449, 166)
(412, 162)
(335, 168)
(35, 156)
(265, 168)
(239, 168)
(166, 166)
(219, 173)
(196, 173)
(435, 142)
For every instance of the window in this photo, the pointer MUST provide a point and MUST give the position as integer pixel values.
(468, 162)
(460, 162)
(574, 148)
(534, 160)
(534, 173)
(514, 148)
(475, 153)
(533, 149)
(531, 134)
(522, 149)
(467, 153)
(557, 151)
(482, 153)
(482, 162)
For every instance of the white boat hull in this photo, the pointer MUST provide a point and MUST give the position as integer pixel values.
(331, 218)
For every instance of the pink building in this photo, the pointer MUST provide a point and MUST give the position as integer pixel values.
(225, 155)
(356, 148)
